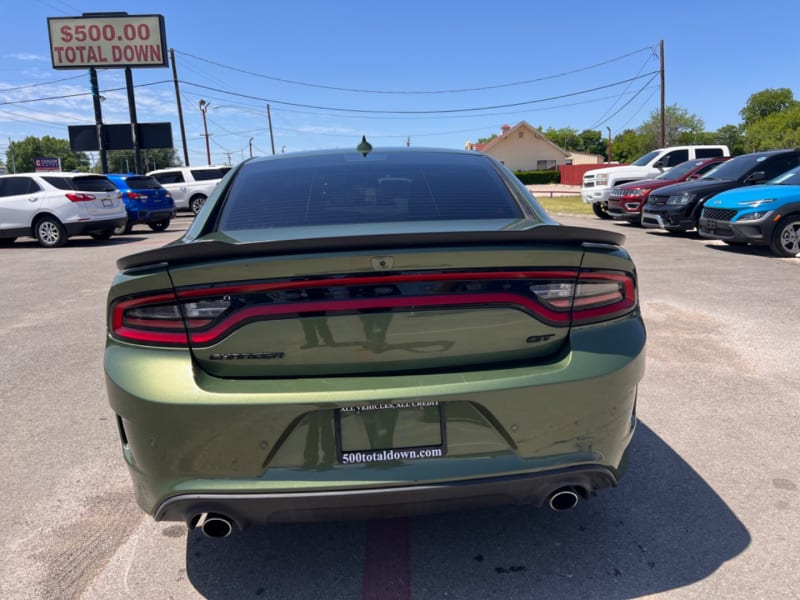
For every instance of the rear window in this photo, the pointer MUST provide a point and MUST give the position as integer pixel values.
(142, 182)
(85, 183)
(169, 177)
(707, 152)
(207, 174)
(382, 187)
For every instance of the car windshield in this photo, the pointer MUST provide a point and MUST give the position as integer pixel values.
(790, 177)
(380, 188)
(680, 171)
(735, 168)
(84, 183)
(641, 162)
(142, 182)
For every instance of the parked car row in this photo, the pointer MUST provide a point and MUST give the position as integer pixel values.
(749, 199)
(52, 207)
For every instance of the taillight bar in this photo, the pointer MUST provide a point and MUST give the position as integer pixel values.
(80, 197)
(205, 315)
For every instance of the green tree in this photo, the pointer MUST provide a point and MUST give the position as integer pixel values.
(777, 130)
(121, 161)
(765, 103)
(680, 127)
(732, 136)
(25, 151)
(628, 146)
(564, 137)
(487, 139)
(592, 142)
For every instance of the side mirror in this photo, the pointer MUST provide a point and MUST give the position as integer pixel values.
(661, 163)
(757, 177)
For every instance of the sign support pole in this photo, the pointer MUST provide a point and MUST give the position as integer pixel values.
(98, 120)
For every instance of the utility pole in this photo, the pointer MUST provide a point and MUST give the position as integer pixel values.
(608, 154)
(251, 147)
(203, 108)
(271, 138)
(662, 141)
(180, 109)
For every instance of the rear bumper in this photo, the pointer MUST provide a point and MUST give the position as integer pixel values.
(388, 502)
(150, 216)
(87, 227)
(267, 449)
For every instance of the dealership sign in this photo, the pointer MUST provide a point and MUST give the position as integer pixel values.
(107, 41)
(47, 164)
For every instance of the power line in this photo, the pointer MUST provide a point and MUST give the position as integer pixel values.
(417, 112)
(419, 92)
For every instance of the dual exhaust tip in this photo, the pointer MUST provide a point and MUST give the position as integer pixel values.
(562, 499)
(214, 525)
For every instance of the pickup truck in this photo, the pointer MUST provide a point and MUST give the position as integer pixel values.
(597, 183)
(190, 186)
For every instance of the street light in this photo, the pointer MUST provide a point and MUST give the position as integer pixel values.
(203, 108)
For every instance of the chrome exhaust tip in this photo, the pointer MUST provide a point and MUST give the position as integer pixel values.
(214, 526)
(563, 499)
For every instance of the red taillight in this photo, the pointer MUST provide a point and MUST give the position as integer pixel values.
(203, 316)
(80, 197)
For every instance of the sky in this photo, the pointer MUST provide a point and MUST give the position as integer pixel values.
(420, 73)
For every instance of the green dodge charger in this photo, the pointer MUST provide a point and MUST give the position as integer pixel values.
(372, 333)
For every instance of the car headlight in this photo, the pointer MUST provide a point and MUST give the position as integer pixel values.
(754, 216)
(756, 203)
(680, 199)
(601, 180)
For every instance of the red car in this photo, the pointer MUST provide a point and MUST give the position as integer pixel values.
(626, 200)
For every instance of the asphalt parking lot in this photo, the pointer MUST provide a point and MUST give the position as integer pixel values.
(710, 507)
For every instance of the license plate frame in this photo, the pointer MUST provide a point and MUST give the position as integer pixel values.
(381, 433)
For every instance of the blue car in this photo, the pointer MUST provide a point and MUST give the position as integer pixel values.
(762, 215)
(145, 200)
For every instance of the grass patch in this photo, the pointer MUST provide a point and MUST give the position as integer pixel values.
(571, 205)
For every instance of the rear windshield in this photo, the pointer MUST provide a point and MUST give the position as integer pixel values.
(208, 174)
(84, 183)
(142, 182)
(382, 187)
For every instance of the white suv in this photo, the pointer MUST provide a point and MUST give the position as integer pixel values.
(52, 207)
(190, 186)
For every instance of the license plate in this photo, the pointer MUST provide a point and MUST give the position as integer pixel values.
(107, 202)
(376, 433)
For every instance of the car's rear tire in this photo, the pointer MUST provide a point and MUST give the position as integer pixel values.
(786, 238)
(123, 229)
(159, 225)
(601, 209)
(49, 232)
(196, 203)
(102, 235)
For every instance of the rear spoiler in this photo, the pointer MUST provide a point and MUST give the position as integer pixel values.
(201, 251)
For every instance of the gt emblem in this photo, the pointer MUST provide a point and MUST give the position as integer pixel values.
(382, 263)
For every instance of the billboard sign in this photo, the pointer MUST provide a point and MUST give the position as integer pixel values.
(46, 164)
(107, 41)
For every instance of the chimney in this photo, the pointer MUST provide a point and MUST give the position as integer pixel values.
(504, 129)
